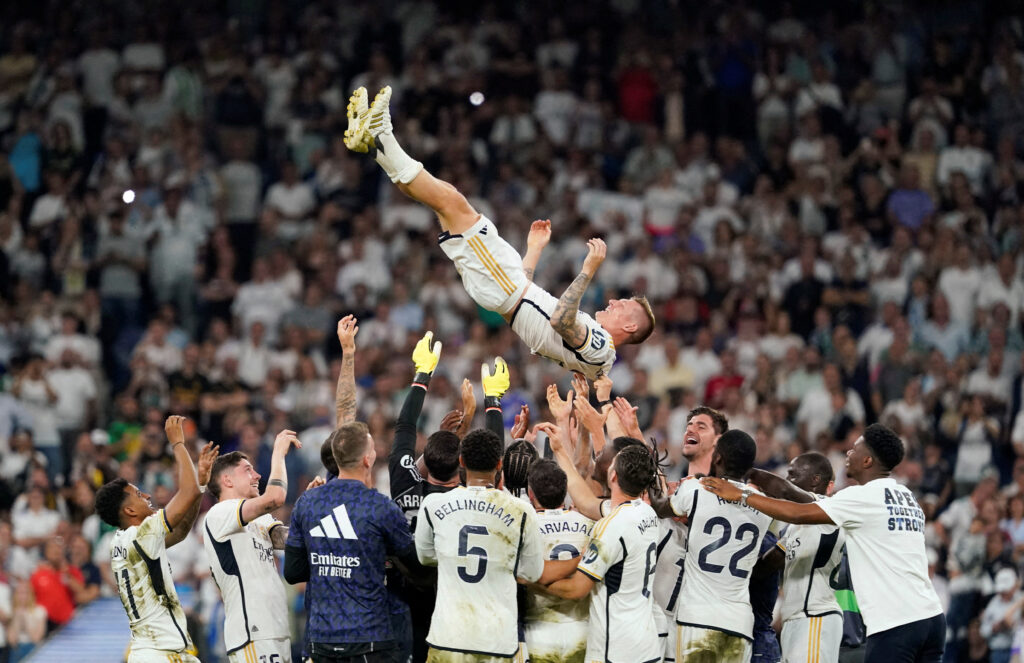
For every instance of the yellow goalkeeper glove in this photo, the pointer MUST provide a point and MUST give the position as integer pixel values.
(495, 385)
(424, 357)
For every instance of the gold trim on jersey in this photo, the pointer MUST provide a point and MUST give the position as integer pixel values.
(163, 519)
(491, 264)
(238, 513)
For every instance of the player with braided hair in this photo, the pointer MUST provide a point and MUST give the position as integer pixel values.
(619, 564)
(515, 466)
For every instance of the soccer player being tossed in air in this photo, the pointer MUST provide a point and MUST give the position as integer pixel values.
(138, 555)
(493, 273)
(240, 538)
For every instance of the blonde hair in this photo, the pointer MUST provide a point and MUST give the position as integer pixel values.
(639, 336)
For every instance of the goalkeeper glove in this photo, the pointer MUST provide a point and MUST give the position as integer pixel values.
(425, 358)
(495, 385)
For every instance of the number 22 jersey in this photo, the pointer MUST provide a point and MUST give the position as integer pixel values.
(481, 540)
(722, 545)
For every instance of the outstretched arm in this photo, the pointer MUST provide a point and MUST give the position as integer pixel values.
(775, 486)
(207, 455)
(345, 395)
(540, 235)
(564, 317)
(784, 510)
(181, 505)
(584, 499)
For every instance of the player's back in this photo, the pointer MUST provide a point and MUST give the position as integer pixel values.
(812, 553)
(481, 539)
(621, 559)
(531, 320)
(138, 560)
(668, 575)
(566, 534)
(724, 539)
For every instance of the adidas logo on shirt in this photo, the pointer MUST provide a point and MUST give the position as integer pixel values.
(336, 526)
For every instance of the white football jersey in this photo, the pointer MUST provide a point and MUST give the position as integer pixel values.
(722, 547)
(241, 556)
(138, 558)
(566, 534)
(813, 552)
(621, 558)
(481, 540)
(531, 320)
(668, 575)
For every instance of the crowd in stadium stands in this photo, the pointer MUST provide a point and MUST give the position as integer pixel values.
(823, 204)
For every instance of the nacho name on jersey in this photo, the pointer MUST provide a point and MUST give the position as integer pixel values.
(329, 565)
(904, 513)
(480, 506)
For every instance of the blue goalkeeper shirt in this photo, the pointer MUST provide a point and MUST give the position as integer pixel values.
(344, 531)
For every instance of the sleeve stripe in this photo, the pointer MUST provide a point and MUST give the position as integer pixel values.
(585, 341)
(590, 574)
(163, 519)
(277, 523)
(241, 521)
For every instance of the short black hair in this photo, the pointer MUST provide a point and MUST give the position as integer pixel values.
(885, 445)
(548, 483)
(109, 500)
(623, 442)
(228, 461)
(327, 457)
(515, 465)
(737, 451)
(481, 450)
(818, 463)
(718, 419)
(441, 455)
(635, 469)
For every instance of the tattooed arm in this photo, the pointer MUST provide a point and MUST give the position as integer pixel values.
(563, 318)
(345, 395)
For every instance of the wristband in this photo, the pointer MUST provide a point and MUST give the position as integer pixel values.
(421, 380)
(603, 403)
(492, 403)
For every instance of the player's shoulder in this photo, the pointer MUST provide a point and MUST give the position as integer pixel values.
(223, 508)
(577, 517)
(155, 523)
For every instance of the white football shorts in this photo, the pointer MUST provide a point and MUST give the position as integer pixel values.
(491, 270)
(811, 639)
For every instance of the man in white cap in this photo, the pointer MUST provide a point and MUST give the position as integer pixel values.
(1001, 618)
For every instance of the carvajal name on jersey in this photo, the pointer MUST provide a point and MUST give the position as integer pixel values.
(565, 526)
(330, 565)
(481, 506)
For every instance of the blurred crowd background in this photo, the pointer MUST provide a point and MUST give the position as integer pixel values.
(823, 202)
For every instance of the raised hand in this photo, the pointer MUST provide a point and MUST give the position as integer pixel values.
(348, 327)
(315, 483)
(554, 434)
(495, 385)
(591, 419)
(174, 428)
(539, 235)
(522, 422)
(451, 421)
(207, 455)
(580, 385)
(424, 357)
(468, 397)
(627, 415)
(603, 388)
(596, 252)
(560, 409)
(285, 440)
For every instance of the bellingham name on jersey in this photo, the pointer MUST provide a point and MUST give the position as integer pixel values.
(475, 505)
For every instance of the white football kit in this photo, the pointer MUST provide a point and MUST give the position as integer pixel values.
(492, 273)
(138, 559)
(620, 559)
(713, 613)
(885, 543)
(241, 556)
(481, 540)
(668, 581)
(812, 621)
(556, 628)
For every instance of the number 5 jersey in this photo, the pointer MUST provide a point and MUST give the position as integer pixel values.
(481, 540)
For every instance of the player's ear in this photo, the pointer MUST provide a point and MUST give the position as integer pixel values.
(630, 327)
(828, 489)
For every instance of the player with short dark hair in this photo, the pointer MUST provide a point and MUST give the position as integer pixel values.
(241, 537)
(138, 557)
(714, 617)
(556, 628)
(885, 543)
(340, 537)
(481, 539)
(493, 273)
(618, 567)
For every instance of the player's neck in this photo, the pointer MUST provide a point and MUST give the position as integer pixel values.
(700, 465)
(479, 479)
(618, 497)
(359, 475)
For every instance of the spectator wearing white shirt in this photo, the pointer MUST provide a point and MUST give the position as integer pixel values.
(156, 349)
(702, 360)
(361, 268)
(990, 381)
(821, 92)
(555, 107)
(961, 283)
(76, 400)
(98, 65)
(963, 157)
(817, 406)
(261, 299)
(293, 200)
(514, 128)
(86, 348)
(942, 333)
(39, 398)
(254, 357)
(1001, 285)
